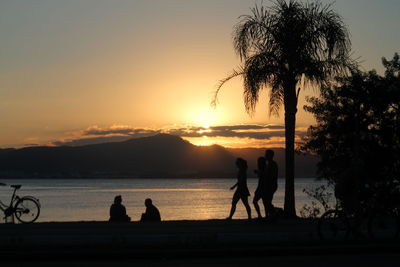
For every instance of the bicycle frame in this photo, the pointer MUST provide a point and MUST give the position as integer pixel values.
(14, 198)
(3, 206)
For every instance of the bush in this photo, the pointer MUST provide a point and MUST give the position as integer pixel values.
(321, 198)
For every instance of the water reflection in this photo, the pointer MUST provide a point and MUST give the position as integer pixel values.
(177, 199)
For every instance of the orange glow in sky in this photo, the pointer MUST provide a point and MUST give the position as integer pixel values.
(69, 65)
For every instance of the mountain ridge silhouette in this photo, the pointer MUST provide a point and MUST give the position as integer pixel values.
(158, 156)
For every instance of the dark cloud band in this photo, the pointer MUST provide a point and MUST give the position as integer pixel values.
(112, 134)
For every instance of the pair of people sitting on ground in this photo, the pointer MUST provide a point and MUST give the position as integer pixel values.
(118, 212)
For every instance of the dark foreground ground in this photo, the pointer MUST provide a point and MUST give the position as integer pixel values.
(337, 260)
(186, 243)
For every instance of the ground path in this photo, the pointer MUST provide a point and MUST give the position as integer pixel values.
(171, 242)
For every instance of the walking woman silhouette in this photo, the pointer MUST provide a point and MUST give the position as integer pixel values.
(242, 192)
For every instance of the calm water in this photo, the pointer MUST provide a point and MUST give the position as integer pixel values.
(177, 199)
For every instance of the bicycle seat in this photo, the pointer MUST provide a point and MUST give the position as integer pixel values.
(16, 186)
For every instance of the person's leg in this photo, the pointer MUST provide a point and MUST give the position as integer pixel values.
(256, 206)
(246, 204)
(235, 200)
(269, 208)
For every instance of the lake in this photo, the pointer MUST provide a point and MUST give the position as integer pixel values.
(177, 199)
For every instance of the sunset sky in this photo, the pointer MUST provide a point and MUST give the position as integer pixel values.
(81, 71)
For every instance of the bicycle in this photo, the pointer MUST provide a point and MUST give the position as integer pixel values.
(384, 225)
(26, 209)
(378, 222)
(333, 225)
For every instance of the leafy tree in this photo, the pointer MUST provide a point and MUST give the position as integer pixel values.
(282, 48)
(357, 133)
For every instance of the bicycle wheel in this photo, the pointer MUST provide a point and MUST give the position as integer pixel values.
(383, 226)
(333, 226)
(27, 210)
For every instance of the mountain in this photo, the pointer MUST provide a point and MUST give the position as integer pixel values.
(161, 155)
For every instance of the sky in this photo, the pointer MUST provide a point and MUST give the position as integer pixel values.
(85, 71)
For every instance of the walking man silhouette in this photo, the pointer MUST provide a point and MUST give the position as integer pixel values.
(261, 191)
(271, 182)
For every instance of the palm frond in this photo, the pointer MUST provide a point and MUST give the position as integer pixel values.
(251, 34)
(259, 73)
(306, 43)
(275, 100)
(232, 75)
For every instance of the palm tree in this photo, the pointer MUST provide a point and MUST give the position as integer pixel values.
(284, 47)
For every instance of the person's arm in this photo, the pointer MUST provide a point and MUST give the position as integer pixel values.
(158, 216)
(276, 172)
(233, 187)
(112, 212)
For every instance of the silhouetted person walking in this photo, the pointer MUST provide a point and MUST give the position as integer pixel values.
(118, 211)
(242, 192)
(271, 182)
(261, 191)
(152, 214)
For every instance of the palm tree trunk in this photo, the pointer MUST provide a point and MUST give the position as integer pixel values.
(290, 101)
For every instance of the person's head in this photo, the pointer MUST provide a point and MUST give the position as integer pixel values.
(269, 154)
(241, 164)
(261, 163)
(118, 199)
(148, 202)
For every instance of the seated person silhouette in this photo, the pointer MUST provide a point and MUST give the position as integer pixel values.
(118, 211)
(152, 214)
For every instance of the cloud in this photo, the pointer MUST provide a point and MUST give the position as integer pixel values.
(117, 130)
(240, 131)
(90, 141)
(225, 133)
(32, 144)
(116, 133)
(247, 127)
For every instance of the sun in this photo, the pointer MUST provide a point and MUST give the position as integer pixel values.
(203, 118)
